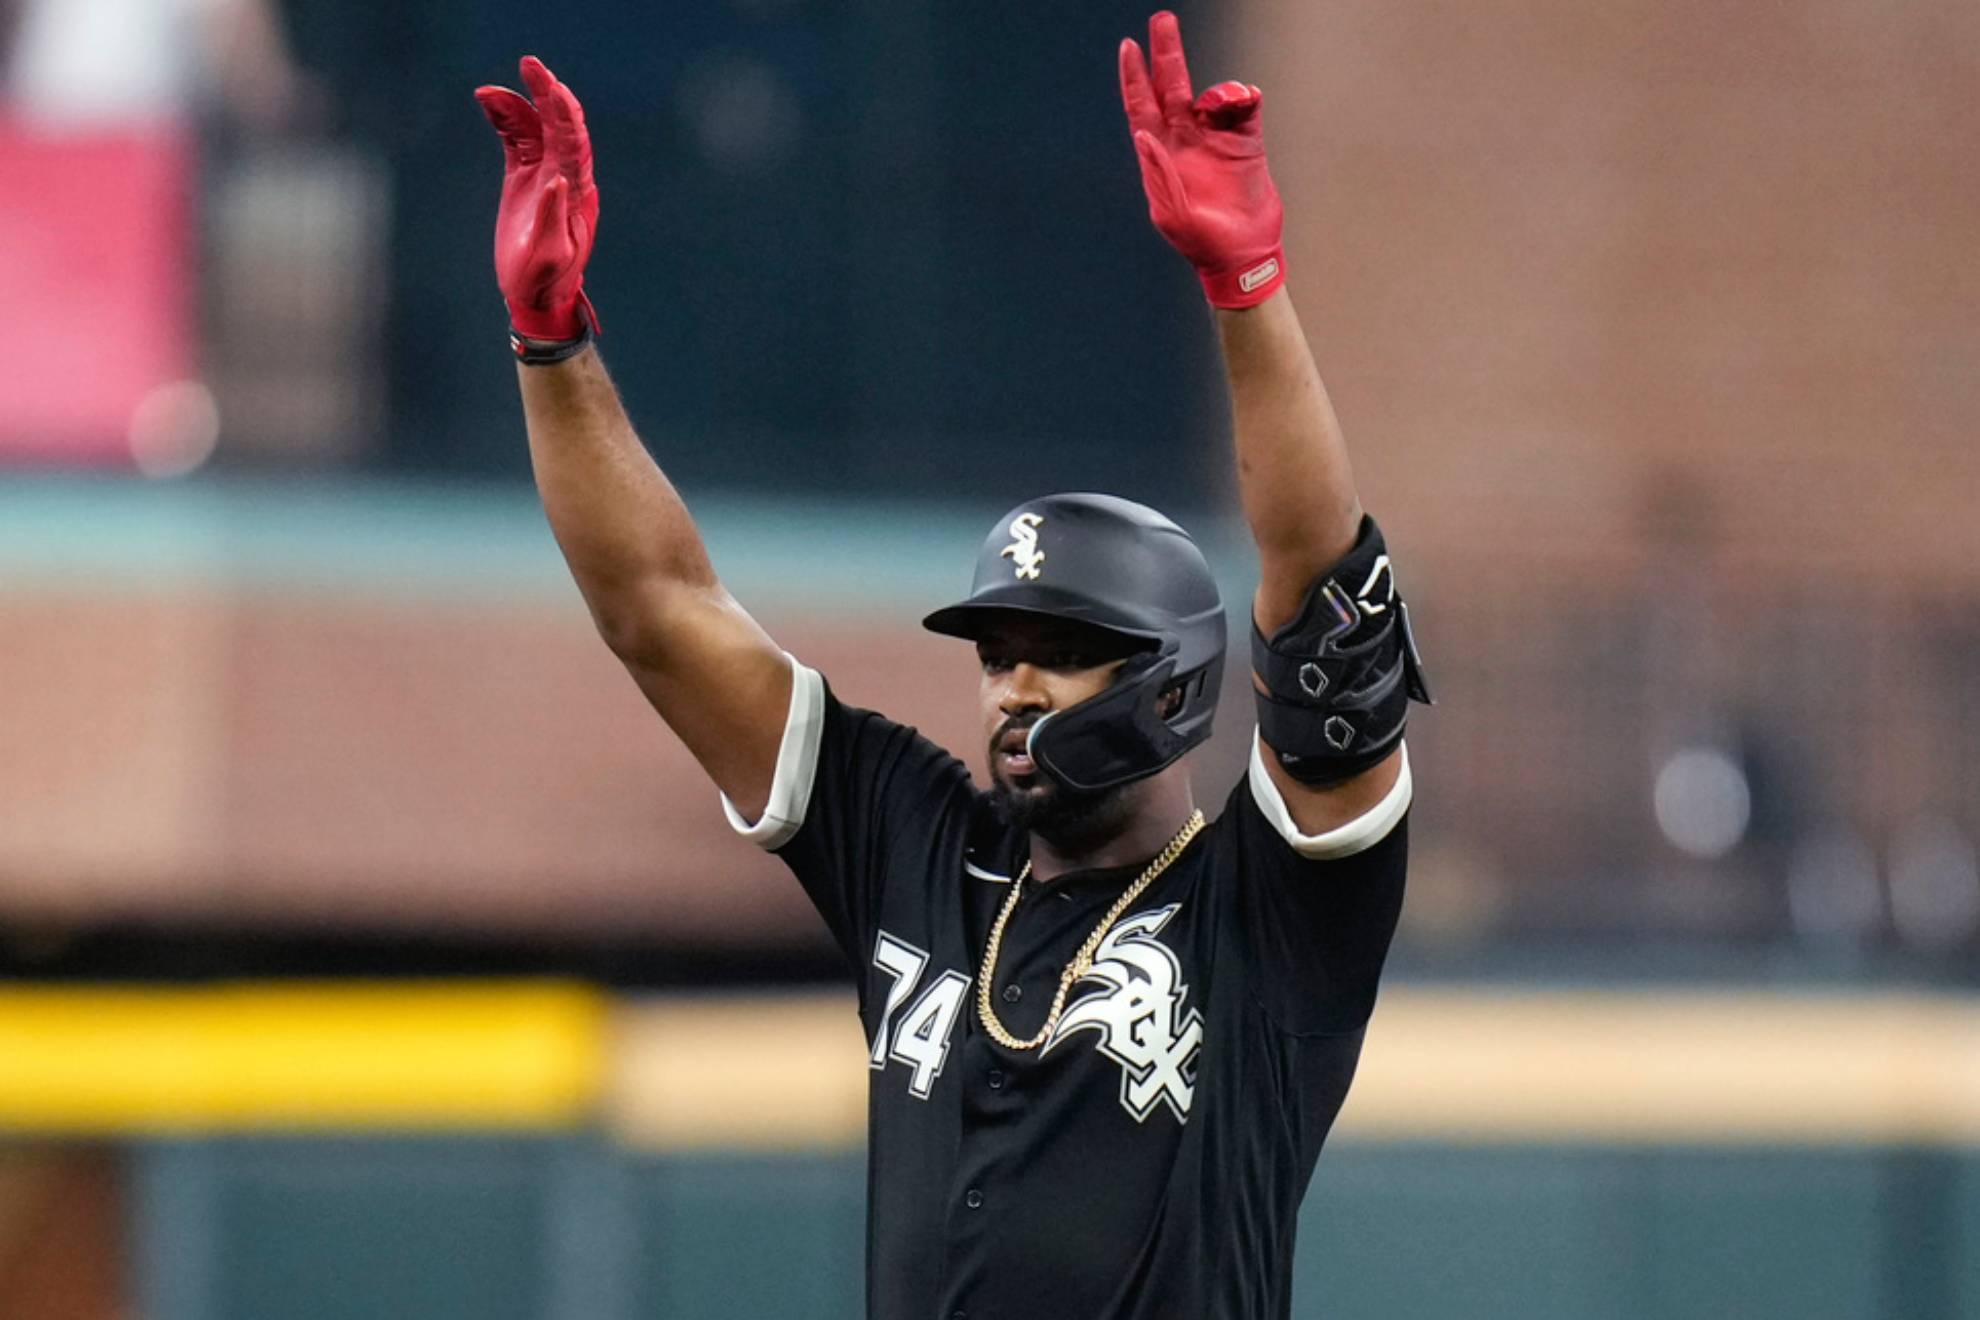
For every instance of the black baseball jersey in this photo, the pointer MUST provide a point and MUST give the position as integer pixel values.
(1149, 1159)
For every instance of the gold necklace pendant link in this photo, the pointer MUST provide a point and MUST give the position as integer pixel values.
(1082, 961)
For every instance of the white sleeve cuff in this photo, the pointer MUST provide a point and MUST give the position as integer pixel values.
(797, 765)
(1358, 835)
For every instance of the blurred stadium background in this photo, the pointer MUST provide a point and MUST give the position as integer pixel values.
(370, 951)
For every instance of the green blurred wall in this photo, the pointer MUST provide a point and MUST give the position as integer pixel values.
(488, 1229)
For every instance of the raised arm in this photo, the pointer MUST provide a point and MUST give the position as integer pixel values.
(716, 678)
(1211, 195)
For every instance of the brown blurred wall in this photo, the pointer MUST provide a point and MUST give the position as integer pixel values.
(1559, 257)
(62, 1215)
(335, 761)
(344, 762)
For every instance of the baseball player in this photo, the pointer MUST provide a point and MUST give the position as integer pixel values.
(1107, 1036)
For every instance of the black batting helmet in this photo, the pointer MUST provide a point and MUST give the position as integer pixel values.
(1122, 567)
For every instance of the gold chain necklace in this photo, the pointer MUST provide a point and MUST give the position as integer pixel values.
(1082, 962)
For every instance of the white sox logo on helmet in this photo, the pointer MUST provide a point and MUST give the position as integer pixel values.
(1024, 551)
(1139, 1016)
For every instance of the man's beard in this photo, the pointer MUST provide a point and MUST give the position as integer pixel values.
(1066, 817)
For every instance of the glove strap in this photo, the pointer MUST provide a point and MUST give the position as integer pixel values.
(1248, 285)
(542, 352)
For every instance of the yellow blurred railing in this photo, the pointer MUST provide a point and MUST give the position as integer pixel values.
(779, 1070)
(1453, 1064)
(312, 1056)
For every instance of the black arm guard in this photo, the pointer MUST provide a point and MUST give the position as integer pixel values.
(1339, 678)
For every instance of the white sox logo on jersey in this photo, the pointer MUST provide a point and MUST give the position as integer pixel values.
(1024, 551)
(1139, 1017)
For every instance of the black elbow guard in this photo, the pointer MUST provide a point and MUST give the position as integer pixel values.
(1339, 678)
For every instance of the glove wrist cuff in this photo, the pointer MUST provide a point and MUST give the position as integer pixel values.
(1246, 285)
(553, 325)
(538, 340)
(543, 352)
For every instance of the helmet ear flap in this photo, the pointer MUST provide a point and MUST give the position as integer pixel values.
(1122, 733)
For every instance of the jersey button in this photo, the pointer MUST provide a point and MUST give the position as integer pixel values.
(973, 1199)
(996, 1080)
(1013, 992)
(958, 1315)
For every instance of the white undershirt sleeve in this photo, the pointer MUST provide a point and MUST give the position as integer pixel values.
(797, 765)
(1358, 835)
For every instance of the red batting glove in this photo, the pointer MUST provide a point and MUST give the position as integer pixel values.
(549, 210)
(1203, 168)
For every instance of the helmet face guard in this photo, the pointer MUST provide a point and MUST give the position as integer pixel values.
(1118, 736)
(1120, 566)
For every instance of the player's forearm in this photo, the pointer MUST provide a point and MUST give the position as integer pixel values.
(1294, 479)
(624, 531)
(1210, 194)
